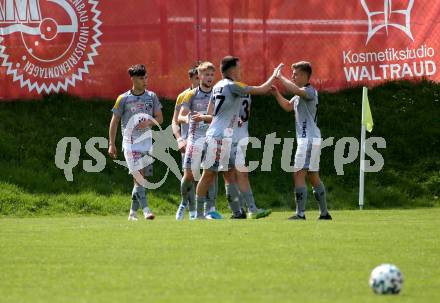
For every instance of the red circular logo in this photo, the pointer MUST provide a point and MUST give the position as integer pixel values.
(48, 45)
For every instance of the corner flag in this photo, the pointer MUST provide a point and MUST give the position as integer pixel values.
(367, 118)
(366, 124)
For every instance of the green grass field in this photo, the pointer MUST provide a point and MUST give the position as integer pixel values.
(108, 259)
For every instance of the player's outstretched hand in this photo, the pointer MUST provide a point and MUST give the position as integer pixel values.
(277, 71)
(112, 151)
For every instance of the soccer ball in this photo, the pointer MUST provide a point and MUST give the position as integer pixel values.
(386, 279)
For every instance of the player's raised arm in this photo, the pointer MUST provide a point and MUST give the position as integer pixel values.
(283, 102)
(266, 86)
(291, 86)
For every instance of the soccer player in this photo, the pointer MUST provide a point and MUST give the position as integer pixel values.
(138, 110)
(308, 135)
(226, 104)
(181, 134)
(240, 141)
(194, 111)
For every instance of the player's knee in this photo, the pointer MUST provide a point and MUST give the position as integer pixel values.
(314, 178)
(299, 178)
(187, 175)
(139, 179)
(229, 177)
(242, 173)
(298, 174)
(208, 176)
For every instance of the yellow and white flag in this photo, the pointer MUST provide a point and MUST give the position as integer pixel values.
(367, 118)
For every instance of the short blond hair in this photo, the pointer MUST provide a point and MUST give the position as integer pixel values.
(303, 66)
(205, 66)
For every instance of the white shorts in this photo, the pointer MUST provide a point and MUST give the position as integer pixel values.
(219, 154)
(139, 161)
(240, 155)
(308, 153)
(193, 155)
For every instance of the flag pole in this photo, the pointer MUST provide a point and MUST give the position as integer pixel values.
(362, 155)
(362, 169)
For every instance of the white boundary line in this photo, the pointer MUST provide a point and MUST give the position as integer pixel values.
(274, 21)
(287, 32)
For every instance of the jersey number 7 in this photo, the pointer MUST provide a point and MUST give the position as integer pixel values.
(218, 104)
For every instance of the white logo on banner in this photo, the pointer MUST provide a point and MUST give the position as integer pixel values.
(47, 45)
(387, 14)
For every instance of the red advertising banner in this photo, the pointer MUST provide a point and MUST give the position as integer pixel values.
(84, 47)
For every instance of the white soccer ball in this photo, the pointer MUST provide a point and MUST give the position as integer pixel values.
(386, 279)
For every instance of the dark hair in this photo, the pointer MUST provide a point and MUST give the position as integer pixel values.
(303, 66)
(137, 70)
(192, 72)
(228, 62)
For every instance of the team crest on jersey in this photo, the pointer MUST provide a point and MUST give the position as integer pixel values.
(59, 39)
(148, 106)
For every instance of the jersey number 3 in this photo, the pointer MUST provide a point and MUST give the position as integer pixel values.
(245, 105)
